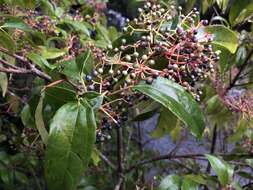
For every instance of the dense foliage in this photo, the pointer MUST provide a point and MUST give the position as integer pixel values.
(78, 78)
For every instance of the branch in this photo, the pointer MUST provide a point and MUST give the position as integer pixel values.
(32, 69)
(118, 186)
(106, 160)
(242, 67)
(120, 160)
(185, 156)
(9, 70)
(213, 145)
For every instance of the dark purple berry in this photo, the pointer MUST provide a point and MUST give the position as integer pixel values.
(179, 30)
(88, 77)
(205, 22)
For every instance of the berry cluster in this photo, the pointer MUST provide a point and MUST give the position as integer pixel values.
(42, 23)
(155, 44)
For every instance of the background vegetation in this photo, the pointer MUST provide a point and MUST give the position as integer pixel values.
(57, 130)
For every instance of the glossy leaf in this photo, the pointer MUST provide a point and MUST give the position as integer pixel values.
(85, 62)
(70, 69)
(39, 121)
(103, 33)
(26, 117)
(145, 109)
(16, 23)
(6, 41)
(40, 61)
(166, 123)
(239, 10)
(223, 170)
(3, 83)
(78, 26)
(76, 68)
(222, 4)
(173, 97)
(244, 14)
(189, 185)
(224, 37)
(94, 99)
(171, 182)
(70, 143)
(51, 53)
(241, 55)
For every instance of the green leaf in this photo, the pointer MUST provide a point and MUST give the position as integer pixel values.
(196, 178)
(241, 55)
(244, 14)
(225, 58)
(95, 157)
(166, 123)
(26, 117)
(16, 23)
(40, 61)
(206, 4)
(222, 4)
(77, 26)
(239, 11)
(39, 121)
(145, 109)
(6, 41)
(103, 33)
(3, 83)
(94, 99)
(85, 62)
(59, 95)
(189, 185)
(22, 3)
(47, 7)
(250, 162)
(240, 130)
(171, 182)
(223, 170)
(76, 68)
(173, 97)
(224, 37)
(70, 143)
(70, 69)
(51, 53)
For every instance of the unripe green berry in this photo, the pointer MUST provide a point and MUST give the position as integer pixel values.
(133, 75)
(144, 57)
(111, 71)
(151, 62)
(136, 65)
(136, 54)
(109, 46)
(123, 41)
(128, 57)
(100, 70)
(128, 80)
(124, 72)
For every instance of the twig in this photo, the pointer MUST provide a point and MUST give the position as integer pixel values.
(119, 184)
(106, 160)
(10, 70)
(243, 66)
(32, 68)
(213, 145)
(185, 156)
(120, 159)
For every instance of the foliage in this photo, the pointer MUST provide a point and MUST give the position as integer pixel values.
(75, 83)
